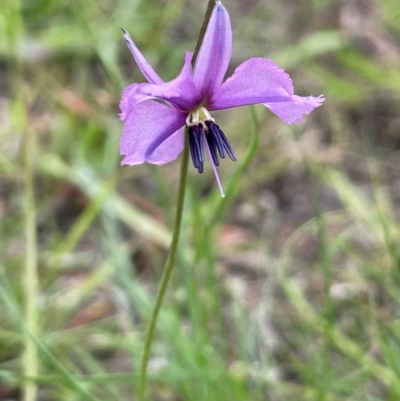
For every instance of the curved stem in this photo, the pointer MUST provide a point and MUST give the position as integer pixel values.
(210, 7)
(169, 266)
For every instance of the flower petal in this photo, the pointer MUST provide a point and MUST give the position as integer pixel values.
(130, 98)
(215, 52)
(124, 105)
(152, 133)
(180, 92)
(257, 80)
(292, 112)
(144, 66)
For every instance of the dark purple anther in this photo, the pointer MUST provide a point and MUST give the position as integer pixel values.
(217, 141)
(196, 146)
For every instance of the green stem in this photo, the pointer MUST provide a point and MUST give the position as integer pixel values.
(13, 34)
(169, 267)
(30, 279)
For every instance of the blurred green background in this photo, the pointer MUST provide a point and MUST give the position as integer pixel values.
(287, 289)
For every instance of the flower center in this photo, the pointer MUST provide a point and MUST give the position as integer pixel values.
(202, 126)
(198, 116)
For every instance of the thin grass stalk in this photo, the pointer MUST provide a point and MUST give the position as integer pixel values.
(30, 273)
(29, 278)
(9, 301)
(30, 282)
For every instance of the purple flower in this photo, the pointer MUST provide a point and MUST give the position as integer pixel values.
(153, 130)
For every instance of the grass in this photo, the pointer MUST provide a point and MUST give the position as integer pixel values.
(286, 289)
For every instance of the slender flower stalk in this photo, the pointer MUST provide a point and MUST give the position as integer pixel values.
(169, 266)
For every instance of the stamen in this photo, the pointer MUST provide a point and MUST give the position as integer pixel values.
(202, 126)
(196, 147)
(210, 139)
(220, 140)
(227, 145)
(214, 167)
(214, 136)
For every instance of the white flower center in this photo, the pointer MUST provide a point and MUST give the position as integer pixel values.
(199, 116)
